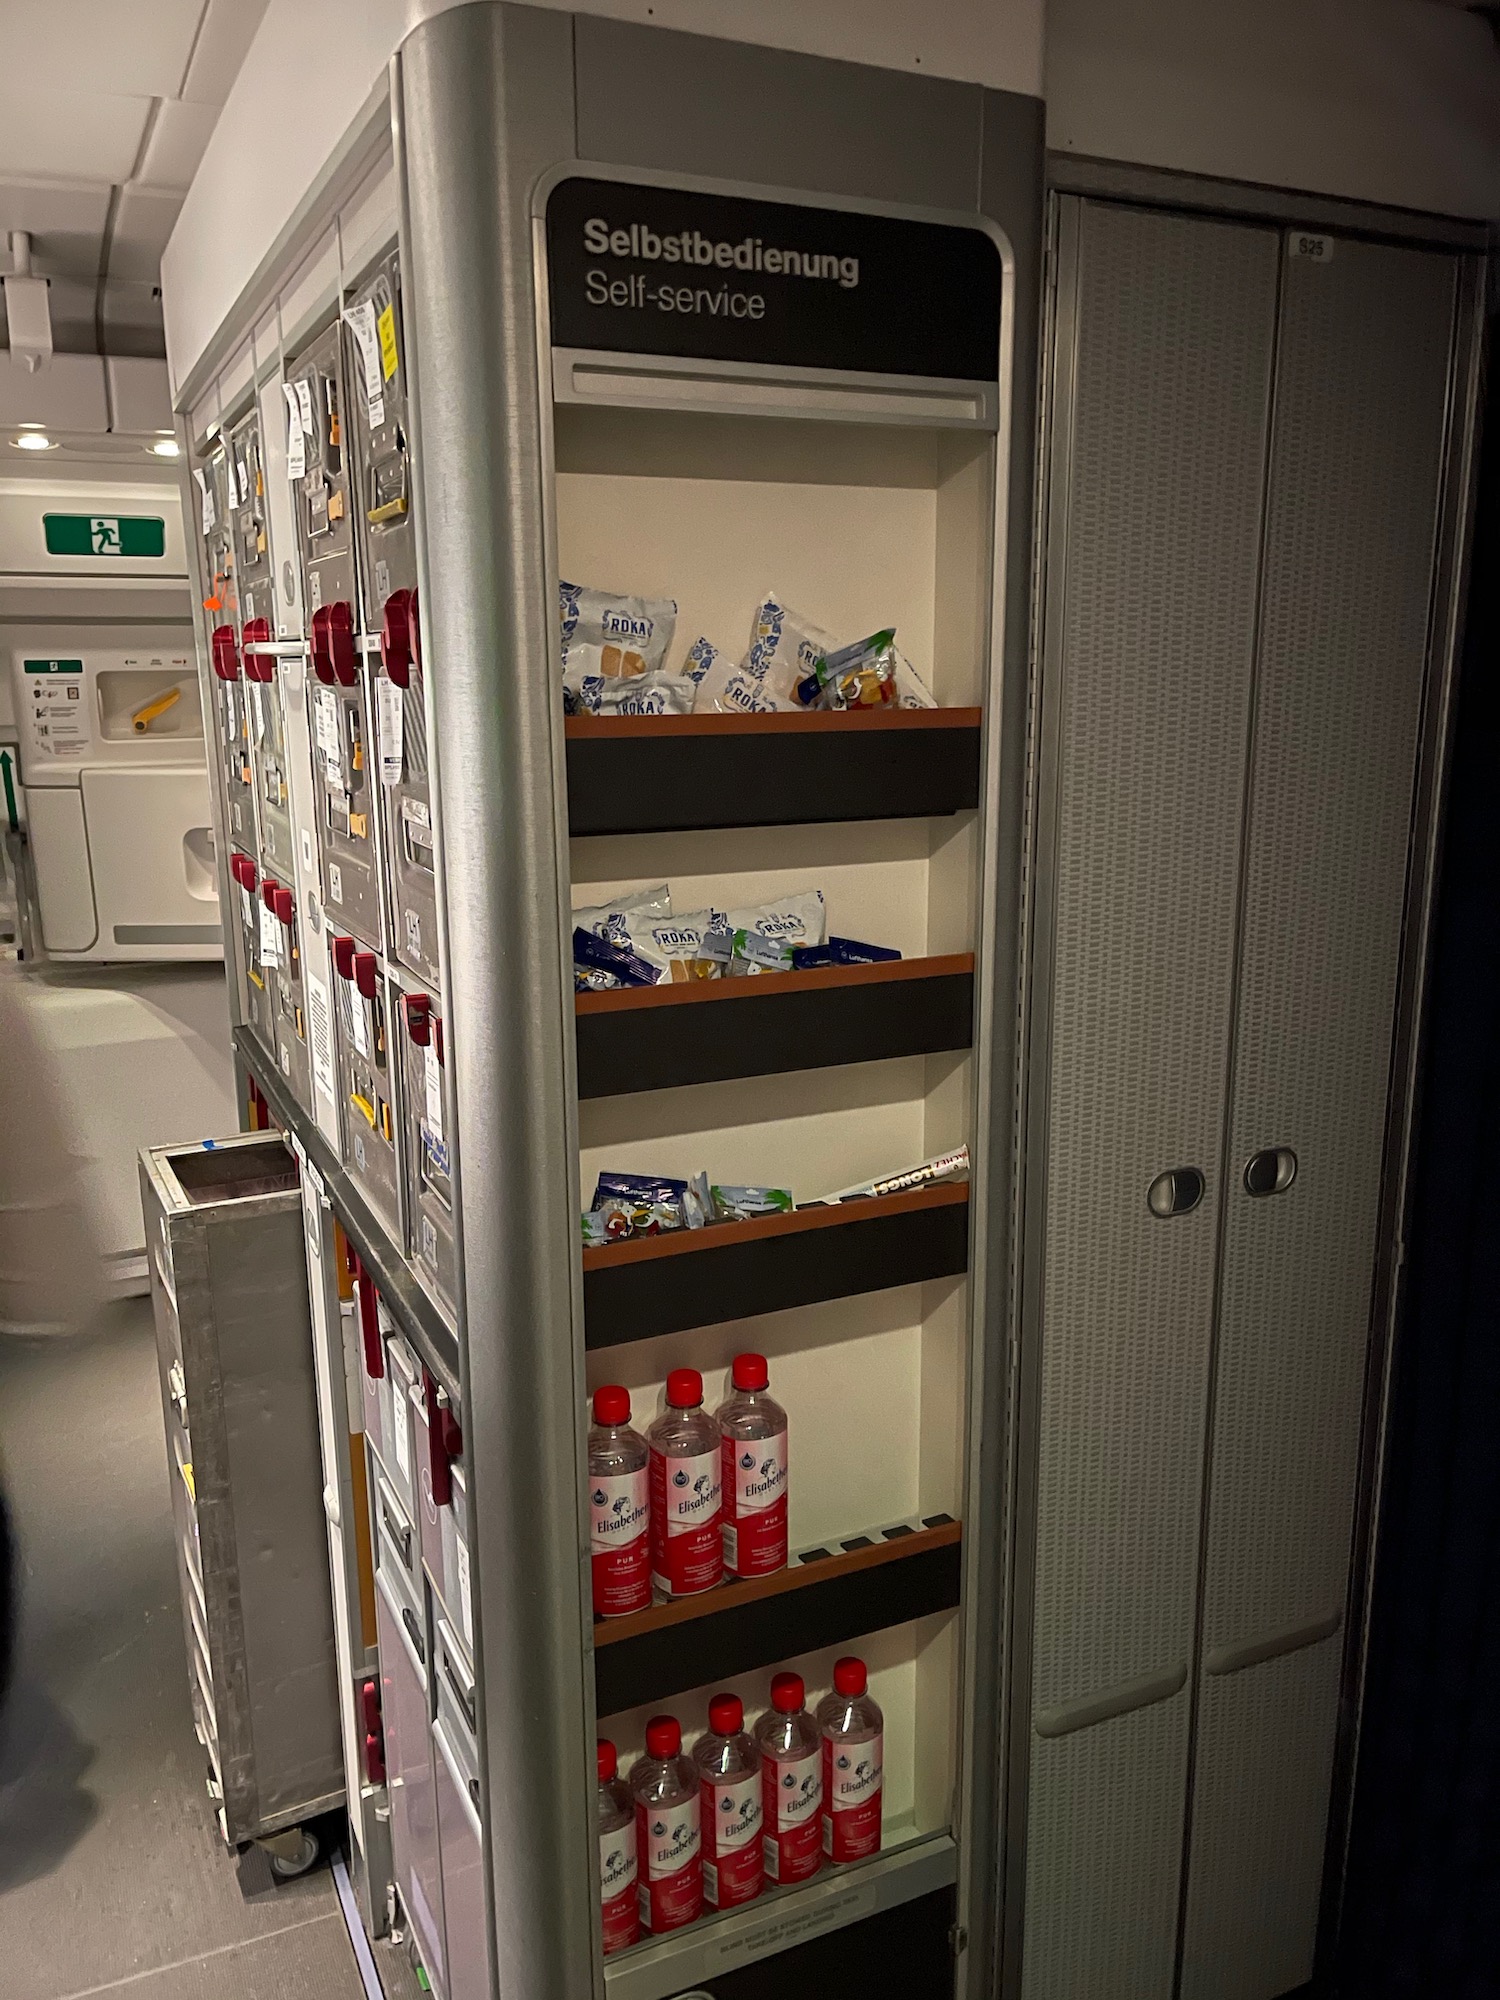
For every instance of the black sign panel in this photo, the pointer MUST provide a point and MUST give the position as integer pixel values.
(652, 270)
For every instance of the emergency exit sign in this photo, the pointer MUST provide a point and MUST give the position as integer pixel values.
(105, 534)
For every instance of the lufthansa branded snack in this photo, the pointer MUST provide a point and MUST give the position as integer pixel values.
(859, 676)
(766, 935)
(745, 1204)
(643, 1205)
(841, 951)
(606, 922)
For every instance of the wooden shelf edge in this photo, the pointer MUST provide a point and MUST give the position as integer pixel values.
(754, 1590)
(718, 1235)
(815, 722)
(765, 985)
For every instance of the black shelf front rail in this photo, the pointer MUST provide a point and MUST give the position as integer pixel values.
(825, 1597)
(735, 1270)
(710, 1031)
(683, 773)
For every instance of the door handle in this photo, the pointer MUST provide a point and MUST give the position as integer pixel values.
(1270, 1171)
(1176, 1192)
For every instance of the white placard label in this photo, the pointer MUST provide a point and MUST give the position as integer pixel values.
(326, 722)
(270, 937)
(296, 450)
(1316, 249)
(358, 1028)
(361, 322)
(390, 715)
(432, 1091)
(465, 1591)
(304, 405)
(320, 1039)
(242, 479)
(207, 497)
(401, 1439)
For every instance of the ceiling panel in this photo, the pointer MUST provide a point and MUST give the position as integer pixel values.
(65, 225)
(84, 46)
(177, 141)
(228, 30)
(66, 135)
(143, 222)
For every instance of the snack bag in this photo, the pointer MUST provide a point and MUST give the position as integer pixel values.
(701, 656)
(613, 638)
(697, 946)
(789, 921)
(641, 1205)
(911, 690)
(640, 694)
(606, 921)
(743, 1204)
(783, 647)
(859, 676)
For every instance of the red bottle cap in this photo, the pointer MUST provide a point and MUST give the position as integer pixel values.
(849, 1676)
(750, 1371)
(609, 1763)
(612, 1406)
(684, 1388)
(787, 1693)
(726, 1715)
(663, 1736)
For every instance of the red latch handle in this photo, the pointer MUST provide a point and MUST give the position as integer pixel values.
(343, 957)
(445, 1442)
(419, 1018)
(369, 1702)
(268, 894)
(369, 1323)
(237, 867)
(333, 654)
(258, 666)
(400, 636)
(248, 875)
(225, 656)
(285, 907)
(365, 975)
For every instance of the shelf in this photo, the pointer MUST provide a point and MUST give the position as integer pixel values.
(824, 1597)
(415, 1314)
(707, 1031)
(880, 1927)
(734, 1270)
(677, 773)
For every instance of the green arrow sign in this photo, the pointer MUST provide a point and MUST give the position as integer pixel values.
(130, 535)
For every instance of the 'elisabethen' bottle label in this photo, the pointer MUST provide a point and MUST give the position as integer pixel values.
(791, 1801)
(733, 1866)
(617, 1888)
(619, 1514)
(687, 1553)
(669, 1852)
(755, 1487)
(853, 1788)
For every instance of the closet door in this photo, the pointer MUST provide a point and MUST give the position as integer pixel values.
(1353, 501)
(1162, 374)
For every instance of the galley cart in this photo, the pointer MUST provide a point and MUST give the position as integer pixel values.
(458, 397)
(224, 1244)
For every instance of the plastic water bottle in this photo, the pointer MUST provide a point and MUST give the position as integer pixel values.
(791, 1783)
(730, 1806)
(617, 1872)
(753, 1428)
(687, 1550)
(668, 1842)
(619, 1508)
(853, 1732)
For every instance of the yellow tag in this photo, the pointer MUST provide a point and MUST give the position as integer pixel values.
(359, 827)
(187, 1480)
(336, 504)
(385, 326)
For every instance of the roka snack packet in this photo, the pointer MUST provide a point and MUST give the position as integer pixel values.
(696, 946)
(613, 638)
(783, 647)
(797, 919)
(641, 694)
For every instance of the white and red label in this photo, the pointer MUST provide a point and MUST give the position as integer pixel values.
(618, 1907)
(754, 1474)
(619, 1515)
(733, 1865)
(687, 1550)
(853, 1788)
(670, 1888)
(792, 1801)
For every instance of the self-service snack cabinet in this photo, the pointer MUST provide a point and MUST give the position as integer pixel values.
(662, 503)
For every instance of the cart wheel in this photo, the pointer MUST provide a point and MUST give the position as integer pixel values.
(292, 1853)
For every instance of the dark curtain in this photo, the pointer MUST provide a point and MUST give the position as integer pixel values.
(1422, 1913)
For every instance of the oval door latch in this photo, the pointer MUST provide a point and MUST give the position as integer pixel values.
(1271, 1170)
(1176, 1192)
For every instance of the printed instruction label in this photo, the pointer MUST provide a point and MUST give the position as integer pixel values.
(296, 448)
(206, 495)
(59, 710)
(320, 1035)
(432, 1093)
(465, 1589)
(358, 1027)
(360, 320)
(390, 714)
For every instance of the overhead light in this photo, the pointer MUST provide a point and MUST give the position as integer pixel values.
(167, 448)
(32, 441)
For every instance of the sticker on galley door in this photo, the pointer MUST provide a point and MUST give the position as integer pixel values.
(662, 270)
